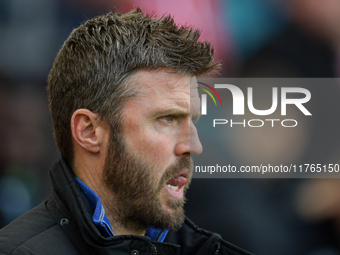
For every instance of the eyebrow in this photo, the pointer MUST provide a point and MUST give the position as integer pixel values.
(179, 113)
(172, 111)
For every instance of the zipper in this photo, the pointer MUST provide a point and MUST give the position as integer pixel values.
(153, 249)
(217, 249)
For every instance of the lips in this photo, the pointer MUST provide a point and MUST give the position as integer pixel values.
(176, 184)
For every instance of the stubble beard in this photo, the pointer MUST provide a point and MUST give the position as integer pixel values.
(136, 195)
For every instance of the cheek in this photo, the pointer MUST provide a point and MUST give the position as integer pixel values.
(148, 144)
(156, 149)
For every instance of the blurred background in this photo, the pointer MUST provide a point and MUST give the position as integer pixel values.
(252, 38)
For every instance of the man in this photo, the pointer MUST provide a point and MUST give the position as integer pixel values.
(120, 96)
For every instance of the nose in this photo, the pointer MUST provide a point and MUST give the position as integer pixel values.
(189, 142)
(195, 143)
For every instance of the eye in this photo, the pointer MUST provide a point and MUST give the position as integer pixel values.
(168, 118)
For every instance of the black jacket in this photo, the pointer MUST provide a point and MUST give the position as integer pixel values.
(63, 225)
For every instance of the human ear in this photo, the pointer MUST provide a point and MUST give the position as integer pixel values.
(87, 130)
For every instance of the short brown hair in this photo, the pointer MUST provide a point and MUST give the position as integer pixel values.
(92, 67)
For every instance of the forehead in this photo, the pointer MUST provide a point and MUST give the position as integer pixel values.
(161, 82)
(163, 92)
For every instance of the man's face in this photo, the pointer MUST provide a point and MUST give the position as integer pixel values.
(148, 165)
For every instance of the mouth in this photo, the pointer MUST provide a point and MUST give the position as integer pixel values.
(175, 186)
